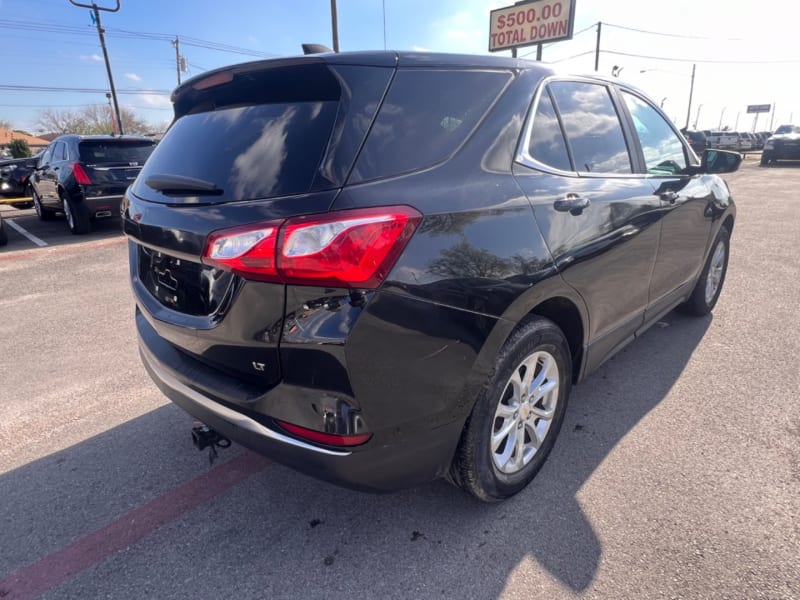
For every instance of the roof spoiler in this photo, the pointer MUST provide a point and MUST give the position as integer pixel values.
(315, 49)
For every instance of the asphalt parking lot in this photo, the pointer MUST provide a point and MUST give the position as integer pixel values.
(676, 475)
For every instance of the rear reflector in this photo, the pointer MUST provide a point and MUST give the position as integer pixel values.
(350, 248)
(326, 438)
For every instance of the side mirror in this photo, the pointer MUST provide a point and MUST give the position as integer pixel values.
(719, 161)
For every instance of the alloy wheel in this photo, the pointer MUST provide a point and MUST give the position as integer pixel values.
(68, 213)
(715, 272)
(525, 412)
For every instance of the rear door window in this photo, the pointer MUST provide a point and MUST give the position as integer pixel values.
(114, 153)
(426, 116)
(592, 127)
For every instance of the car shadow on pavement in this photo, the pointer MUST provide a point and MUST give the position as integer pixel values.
(280, 534)
(31, 231)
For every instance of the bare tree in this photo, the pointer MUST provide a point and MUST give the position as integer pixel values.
(91, 119)
(5, 124)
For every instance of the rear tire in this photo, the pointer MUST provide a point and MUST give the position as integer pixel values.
(709, 285)
(77, 219)
(765, 159)
(43, 213)
(517, 415)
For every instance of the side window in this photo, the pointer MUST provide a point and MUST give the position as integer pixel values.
(592, 127)
(547, 143)
(663, 151)
(425, 117)
(58, 153)
(48, 154)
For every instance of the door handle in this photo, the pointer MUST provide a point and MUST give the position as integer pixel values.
(56, 168)
(669, 196)
(573, 204)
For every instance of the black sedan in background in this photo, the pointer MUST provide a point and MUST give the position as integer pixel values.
(784, 144)
(84, 177)
(15, 178)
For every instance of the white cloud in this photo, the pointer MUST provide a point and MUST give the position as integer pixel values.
(133, 76)
(156, 100)
(94, 57)
(416, 48)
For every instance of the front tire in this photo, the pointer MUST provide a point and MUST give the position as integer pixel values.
(708, 287)
(43, 213)
(518, 413)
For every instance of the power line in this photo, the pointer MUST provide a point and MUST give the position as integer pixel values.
(574, 35)
(43, 88)
(664, 34)
(702, 60)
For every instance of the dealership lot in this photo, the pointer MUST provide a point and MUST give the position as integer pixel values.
(677, 473)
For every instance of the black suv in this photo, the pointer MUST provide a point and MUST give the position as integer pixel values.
(84, 177)
(697, 140)
(385, 268)
(784, 144)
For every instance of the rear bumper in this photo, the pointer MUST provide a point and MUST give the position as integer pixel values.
(102, 205)
(404, 450)
(783, 153)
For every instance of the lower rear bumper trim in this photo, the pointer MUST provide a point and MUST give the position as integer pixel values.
(225, 413)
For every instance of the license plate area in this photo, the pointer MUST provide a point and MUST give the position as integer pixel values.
(182, 285)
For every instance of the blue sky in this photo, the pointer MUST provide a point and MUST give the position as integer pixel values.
(711, 30)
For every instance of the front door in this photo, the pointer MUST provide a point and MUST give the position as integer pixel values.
(685, 204)
(600, 220)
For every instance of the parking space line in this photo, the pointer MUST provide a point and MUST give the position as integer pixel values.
(65, 249)
(20, 229)
(71, 560)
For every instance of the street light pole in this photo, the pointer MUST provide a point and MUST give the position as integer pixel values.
(720, 117)
(96, 12)
(334, 26)
(691, 93)
(697, 117)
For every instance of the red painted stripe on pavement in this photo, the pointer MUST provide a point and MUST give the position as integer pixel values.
(18, 254)
(53, 570)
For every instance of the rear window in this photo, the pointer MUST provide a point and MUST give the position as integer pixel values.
(249, 152)
(126, 153)
(426, 116)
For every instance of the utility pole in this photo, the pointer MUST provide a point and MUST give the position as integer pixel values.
(720, 117)
(772, 118)
(96, 17)
(334, 26)
(697, 117)
(691, 93)
(597, 48)
(177, 43)
(539, 52)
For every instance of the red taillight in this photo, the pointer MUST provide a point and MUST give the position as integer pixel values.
(351, 248)
(326, 438)
(248, 251)
(80, 175)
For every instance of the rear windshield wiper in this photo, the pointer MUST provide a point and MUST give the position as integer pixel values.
(179, 185)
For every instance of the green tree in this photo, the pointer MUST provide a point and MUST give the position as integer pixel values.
(91, 119)
(19, 148)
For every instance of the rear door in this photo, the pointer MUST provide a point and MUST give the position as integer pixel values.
(49, 176)
(598, 216)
